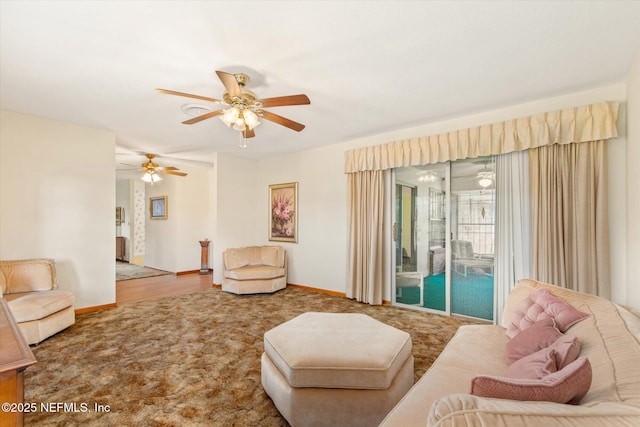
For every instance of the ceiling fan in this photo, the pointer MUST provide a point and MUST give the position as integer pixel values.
(151, 169)
(485, 177)
(245, 109)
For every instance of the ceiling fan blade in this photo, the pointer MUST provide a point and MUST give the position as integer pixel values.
(202, 117)
(281, 101)
(248, 133)
(281, 120)
(188, 95)
(230, 83)
(172, 172)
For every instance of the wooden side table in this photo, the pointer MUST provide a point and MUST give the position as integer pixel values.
(120, 248)
(15, 356)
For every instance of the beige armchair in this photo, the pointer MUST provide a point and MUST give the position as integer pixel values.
(254, 269)
(31, 291)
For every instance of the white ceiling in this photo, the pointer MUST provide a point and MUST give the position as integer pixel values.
(367, 66)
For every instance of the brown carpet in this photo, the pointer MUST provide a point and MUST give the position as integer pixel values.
(192, 360)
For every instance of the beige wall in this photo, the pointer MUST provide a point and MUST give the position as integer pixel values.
(319, 258)
(632, 187)
(193, 209)
(160, 234)
(239, 202)
(57, 200)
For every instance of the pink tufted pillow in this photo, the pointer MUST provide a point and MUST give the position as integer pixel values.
(568, 385)
(541, 305)
(534, 366)
(540, 335)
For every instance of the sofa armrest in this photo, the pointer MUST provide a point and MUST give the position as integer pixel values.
(465, 409)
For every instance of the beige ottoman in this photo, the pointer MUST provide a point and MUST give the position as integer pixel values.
(336, 369)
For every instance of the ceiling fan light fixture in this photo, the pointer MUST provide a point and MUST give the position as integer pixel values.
(250, 118)
(230, 116)
(241, 119)
(485, 182)
(151, 177)
(239, 125)
(428, 176)
(485, 179)
(251, 126)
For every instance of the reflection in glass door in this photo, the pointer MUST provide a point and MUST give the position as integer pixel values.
(444, 236)
(405, 228)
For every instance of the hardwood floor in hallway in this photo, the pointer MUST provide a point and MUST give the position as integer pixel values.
(150, 288)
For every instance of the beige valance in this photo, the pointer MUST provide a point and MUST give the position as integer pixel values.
(580, 124)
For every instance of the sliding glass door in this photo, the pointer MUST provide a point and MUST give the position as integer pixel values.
(421, 282)
(472, 217)
(446, 265)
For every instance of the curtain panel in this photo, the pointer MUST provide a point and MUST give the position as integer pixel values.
(570, 222)
(368, 261)
(587, 123)
(512, 256)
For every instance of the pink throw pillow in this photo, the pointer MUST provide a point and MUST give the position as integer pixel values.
(568, 385)
(542, 305)
(567, 350)
(540, 335)
(534, 366)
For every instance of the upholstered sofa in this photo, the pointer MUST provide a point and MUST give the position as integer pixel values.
(30, 288)
(254, 269)
(608, 338)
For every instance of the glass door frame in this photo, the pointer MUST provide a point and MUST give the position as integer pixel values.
(393, 222)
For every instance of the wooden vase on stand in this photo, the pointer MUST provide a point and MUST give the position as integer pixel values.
(204, 257)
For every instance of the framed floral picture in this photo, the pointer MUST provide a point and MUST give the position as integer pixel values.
(283, 212)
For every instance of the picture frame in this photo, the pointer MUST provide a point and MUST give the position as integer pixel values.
(158, 207)
(119, 216)
(283, 212)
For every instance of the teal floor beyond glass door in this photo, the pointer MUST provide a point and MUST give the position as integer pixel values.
(470, 296)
